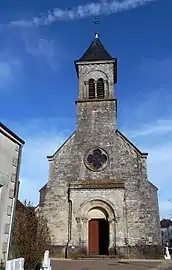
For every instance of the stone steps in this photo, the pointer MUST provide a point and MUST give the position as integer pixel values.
(98, 257)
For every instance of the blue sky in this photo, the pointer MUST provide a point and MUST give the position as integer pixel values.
(38, 83)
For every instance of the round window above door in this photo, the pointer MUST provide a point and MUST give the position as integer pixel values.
(96, 159)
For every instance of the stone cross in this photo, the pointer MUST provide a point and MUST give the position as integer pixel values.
(167, 255)
(46, 265)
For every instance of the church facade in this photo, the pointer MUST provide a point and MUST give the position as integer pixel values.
(98, 200)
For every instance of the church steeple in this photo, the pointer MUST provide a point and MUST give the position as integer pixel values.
(96, 51)
(97, 72)
(96, 103)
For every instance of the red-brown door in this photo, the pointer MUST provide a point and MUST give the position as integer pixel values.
(93, 236)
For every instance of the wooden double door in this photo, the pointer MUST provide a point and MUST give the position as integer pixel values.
(98, 236)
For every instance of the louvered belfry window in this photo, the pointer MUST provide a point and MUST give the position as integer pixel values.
(100, 88)
(91, 88)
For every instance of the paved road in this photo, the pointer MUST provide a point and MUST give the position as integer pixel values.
(108, 265)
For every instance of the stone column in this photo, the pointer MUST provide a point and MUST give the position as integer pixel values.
(85, 91)
(78, 220)
(112, 236)
(106, 88)
(84, 231)
(125, 224)
(95, 89)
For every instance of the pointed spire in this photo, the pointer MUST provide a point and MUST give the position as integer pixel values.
(96, 35)
(96, 51)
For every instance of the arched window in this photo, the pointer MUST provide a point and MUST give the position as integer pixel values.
(100, 88)
(91, 88)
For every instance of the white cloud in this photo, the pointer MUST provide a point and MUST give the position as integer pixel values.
(158, 127)
(160, 169)
(43, 53)
(159, 67)
(151, 99)
(41, 140)
(159, 172)
(9, 67)
(35, 166)
(43, 50)
(82, 11)
(46, 50)
(156, 137)
(166, 209)
(5, 71)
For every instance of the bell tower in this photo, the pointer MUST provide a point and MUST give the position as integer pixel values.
(97, 73)
(96, 103)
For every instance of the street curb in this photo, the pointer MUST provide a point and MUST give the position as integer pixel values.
(142, 260)
(60, 259)
(115, 259)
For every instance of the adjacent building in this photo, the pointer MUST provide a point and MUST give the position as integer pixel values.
(10, 158)
(98, 199)
(166, 232)
(166, 236)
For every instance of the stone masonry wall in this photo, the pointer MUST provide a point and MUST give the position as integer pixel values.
(138, 214)
(115, 198)
(94, 71)
(55, 207)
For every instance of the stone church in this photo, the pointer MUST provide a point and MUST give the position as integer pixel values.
(98, 200)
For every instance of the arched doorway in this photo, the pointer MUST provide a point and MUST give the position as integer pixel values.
(97, 217)
(98, 232)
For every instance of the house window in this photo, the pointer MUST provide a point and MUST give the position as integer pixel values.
(91, 88)
(100, 88)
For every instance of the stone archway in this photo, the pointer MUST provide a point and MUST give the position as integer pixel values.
(96, 215)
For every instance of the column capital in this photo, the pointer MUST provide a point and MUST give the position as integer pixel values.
(111, 220)
(78, 219)
(84, 219)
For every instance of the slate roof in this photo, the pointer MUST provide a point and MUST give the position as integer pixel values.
(96, 51)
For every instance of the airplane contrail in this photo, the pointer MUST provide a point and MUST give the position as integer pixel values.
(82, 11)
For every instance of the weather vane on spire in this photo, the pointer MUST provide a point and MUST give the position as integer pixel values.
(96, 22)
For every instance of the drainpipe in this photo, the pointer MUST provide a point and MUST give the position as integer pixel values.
(10, 229)
(69, 221)
(16, 189)
(126, 225)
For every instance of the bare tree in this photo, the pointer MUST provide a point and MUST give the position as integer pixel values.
(31, 235)
(171, 210)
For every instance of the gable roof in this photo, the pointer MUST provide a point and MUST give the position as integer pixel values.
(152, 185)
(50, 157)
(129, 142)
(43, 188)
(118, 132)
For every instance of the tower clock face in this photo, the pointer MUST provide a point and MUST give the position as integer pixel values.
(96, 159)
